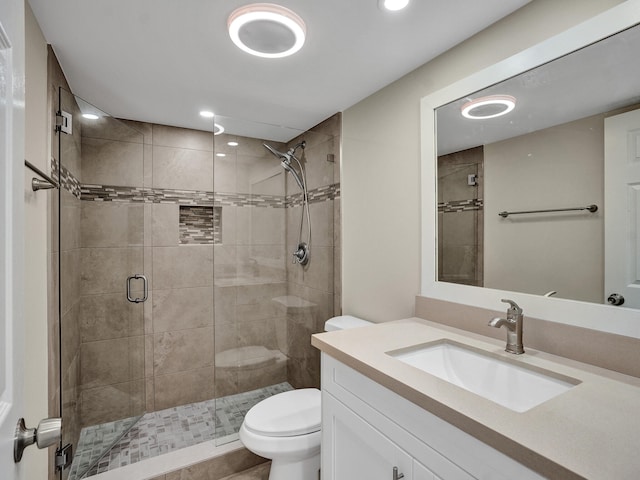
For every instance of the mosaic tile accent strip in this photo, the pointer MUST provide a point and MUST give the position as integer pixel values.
(320, 194)
(200, 225)
(460, 205)
(65, 178)
(167, 430)
(249, 200)
(114, 193)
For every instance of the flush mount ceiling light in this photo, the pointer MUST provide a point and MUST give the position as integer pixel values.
(217, 129)
(207, 114)
(266, 30)
(488, 107)
(90, 116)
(393, 5)
(233, 144)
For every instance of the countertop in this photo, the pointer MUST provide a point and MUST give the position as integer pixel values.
(591, 431)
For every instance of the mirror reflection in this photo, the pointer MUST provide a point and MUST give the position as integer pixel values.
(538, 178)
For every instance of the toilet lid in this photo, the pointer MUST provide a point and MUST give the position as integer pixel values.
(286, 414)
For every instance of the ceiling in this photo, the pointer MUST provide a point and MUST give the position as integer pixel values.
(599, 78)
(163, 61)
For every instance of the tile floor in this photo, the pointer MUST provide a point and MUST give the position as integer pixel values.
(163, 431)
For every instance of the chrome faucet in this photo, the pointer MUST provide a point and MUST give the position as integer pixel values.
(513, 322)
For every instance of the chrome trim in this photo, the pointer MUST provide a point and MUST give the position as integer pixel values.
(49, 432)
(145, 284)
(513, 323)
(40, 184)
(396, 475)
(591, 208)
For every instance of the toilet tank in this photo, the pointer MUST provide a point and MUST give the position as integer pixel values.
(344, 322)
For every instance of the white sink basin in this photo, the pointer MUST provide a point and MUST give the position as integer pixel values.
(511, 385)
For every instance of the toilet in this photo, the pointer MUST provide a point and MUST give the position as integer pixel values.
(286, 427)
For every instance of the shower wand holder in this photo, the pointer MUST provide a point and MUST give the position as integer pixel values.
(301, 255)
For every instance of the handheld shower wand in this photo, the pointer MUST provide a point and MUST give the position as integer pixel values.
(301, 255)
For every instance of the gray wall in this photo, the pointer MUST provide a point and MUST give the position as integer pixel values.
(557, 167)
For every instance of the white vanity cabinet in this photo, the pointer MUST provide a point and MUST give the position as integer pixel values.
(367, 430)
(359, 451)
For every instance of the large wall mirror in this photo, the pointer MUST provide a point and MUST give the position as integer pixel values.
(536, 168)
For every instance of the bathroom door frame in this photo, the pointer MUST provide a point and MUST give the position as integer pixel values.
(12, 146)
(622, 207)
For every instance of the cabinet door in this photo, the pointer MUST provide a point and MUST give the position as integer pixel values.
(420, 472)
(352, 448)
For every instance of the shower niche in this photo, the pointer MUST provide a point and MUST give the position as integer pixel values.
(200, 225)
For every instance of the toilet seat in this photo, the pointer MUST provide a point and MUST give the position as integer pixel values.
(286, 414)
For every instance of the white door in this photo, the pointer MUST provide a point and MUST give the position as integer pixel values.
(622, 208)
(11, 229)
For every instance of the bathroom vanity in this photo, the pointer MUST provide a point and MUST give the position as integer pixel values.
(384, 418)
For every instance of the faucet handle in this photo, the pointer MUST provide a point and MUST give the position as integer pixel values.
(514, 306)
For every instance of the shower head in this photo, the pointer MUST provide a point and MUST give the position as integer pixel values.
(284, 156)
(290, 153)
(286, 161)
(287, 166)
(301, 255)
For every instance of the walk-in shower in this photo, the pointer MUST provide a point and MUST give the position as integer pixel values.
(303, 249)
(226, 321)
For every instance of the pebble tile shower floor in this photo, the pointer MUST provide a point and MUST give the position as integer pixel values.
(163, 431)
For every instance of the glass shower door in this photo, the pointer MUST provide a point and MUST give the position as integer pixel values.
(102, 284)
(266, 306)
(249, 278)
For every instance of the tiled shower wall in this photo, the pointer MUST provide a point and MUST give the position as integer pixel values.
(314, 289)
(461, 217)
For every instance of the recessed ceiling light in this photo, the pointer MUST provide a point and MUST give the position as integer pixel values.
(217, 129)
(221, 154)
(488, 107)
(266, 30)
(394, 5)
(90, 116)
(207, 114)
(232, 144)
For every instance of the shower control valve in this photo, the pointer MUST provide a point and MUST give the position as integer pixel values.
(301, 255)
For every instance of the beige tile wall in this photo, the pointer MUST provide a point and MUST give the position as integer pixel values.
(460, 234)
(318, 281)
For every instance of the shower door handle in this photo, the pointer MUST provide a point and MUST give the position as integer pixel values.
(137, 276)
